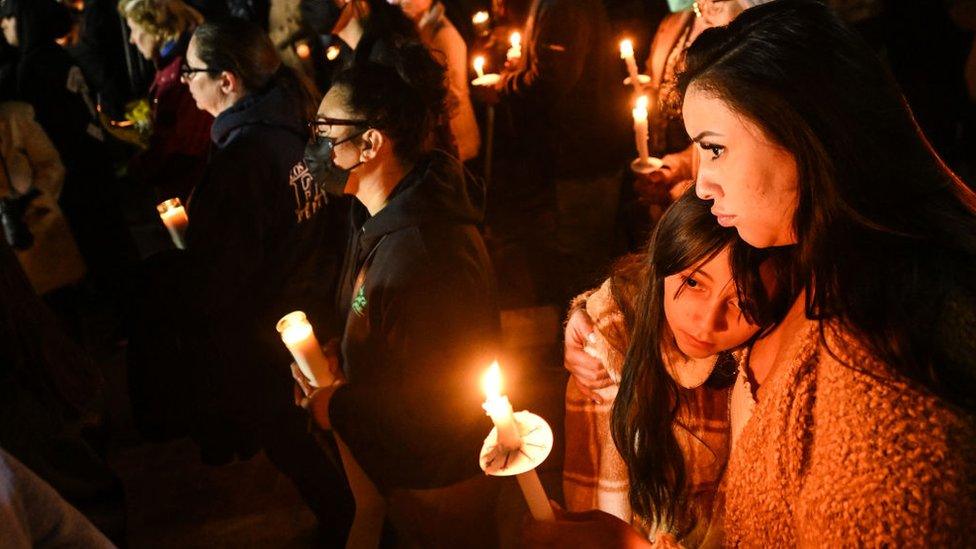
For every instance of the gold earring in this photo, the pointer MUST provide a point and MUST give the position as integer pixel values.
(697, 10)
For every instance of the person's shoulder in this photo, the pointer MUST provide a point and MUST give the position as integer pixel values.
(16, 111)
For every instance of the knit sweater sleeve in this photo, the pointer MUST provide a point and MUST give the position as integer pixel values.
(882, 463)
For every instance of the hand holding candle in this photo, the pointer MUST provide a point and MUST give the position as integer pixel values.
(510, 452)
(174, 217)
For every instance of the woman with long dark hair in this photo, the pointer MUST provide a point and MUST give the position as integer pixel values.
(862, 428)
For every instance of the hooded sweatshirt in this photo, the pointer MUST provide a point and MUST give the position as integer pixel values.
(418, 296)
(261, 242)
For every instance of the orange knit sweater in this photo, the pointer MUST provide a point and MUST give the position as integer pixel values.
(835, 457)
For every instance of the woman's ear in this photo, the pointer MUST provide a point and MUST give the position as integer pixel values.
(229, 83)
(373, 142)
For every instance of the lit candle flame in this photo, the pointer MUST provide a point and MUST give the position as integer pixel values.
(480, 18)
(515, 39)
(332, 53)
(626, 48)
(479, 65)
(303, 51)
(491, 381)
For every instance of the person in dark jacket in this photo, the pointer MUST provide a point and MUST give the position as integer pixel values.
(174, 162)
(261, 242)
(48, 78)
(417, 293)
(561, 136)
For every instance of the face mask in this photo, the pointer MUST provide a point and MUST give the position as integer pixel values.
(322, 167)
(679, 5)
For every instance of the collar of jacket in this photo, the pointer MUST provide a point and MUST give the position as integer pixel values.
(273, 107)
(437, 191)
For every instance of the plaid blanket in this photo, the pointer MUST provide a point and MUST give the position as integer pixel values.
(594, 474)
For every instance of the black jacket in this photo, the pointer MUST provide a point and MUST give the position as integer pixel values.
(262, 241)
(420, 333)
(565, 106)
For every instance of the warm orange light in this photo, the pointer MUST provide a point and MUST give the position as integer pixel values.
(480, 18)
(640, 108)
(626, 48)
(491, 381)
(303, 51)
(515, 39)
(332, 53)
(479, 65)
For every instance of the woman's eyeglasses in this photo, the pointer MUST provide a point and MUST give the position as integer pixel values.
(321, 127)
(187, 72)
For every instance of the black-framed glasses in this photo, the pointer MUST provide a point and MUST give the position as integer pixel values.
(321, 127)
(186, 71)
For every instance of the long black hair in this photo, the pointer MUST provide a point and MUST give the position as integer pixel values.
(648, 399)
(887, 233)
(244, 49)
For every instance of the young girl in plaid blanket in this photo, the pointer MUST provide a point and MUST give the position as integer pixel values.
(700, 314)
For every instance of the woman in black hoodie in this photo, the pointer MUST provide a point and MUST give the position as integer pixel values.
(261, 242)
(417, 294)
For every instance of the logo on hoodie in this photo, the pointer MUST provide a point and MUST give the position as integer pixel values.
(359, 302)
(308, 197)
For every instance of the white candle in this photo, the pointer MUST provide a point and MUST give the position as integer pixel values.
(500, 409)
(479, 65)
(509, 438)
(298, 336)
(640, 128)
(515, 51)
(627, 54)
(175, 219)
(535, 496)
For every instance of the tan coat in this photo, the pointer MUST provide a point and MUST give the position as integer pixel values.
(53, 260)
(833, 456)
(449, 48)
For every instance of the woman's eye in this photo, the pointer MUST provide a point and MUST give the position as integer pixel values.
(716, 150)
(690, 282)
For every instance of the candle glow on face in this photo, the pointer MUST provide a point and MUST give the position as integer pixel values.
(626, 48)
